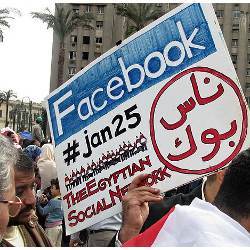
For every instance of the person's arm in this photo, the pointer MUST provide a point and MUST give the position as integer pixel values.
(135, 207)
(45, 210)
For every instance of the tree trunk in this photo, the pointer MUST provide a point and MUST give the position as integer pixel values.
(7, 111)
(14, 120)
(30, 116)
(45, 122)
(60, 64)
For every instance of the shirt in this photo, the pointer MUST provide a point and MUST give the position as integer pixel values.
(111, 223)
(37, 133)
(14, 236)
(53, 212)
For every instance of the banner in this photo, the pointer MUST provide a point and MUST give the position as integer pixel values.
(167, 101)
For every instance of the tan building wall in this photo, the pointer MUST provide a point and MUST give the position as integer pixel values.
(22, 114)
(89, 43)
(233, 19)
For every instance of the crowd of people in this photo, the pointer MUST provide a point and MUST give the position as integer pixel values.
(213, 211)
(29, 163)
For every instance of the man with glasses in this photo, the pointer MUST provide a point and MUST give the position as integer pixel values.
(23, 229)
(8, 205)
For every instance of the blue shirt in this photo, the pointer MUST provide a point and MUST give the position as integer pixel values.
(53, 211)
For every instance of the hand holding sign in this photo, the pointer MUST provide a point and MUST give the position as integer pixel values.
(135, 207)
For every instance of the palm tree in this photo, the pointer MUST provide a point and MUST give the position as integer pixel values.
(63, 23)
(5, 15)
(139, 14)
(5, 96)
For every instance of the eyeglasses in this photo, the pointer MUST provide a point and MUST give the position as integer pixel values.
(14, 206)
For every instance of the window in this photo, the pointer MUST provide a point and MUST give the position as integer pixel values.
(236, 13)
(73, 39)
(235, 27)
(1, 113)
(219, 13)
(248, 71)
(99, 25)
(234, 58)
(159, 5)
(72, 55)
(248, 42)
(85, 39)
(100, 9)
(98, 40)
(72, 70)
(85, 55)
(76, 11)
(88, 8)
(248, 59)
(235, 42)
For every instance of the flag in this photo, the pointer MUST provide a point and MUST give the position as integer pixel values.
(199, 224)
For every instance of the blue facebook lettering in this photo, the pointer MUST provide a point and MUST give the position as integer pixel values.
(162, 51)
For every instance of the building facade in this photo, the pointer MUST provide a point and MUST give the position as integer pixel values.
(84, 45)
(20, 114)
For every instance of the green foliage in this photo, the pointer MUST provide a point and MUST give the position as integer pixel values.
(5, 15)
(64, 21)
(139, 15)
(6, 95)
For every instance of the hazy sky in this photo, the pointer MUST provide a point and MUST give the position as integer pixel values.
(25, 54)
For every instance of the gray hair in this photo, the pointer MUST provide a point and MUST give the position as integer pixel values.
(8, 158)
(24, 163)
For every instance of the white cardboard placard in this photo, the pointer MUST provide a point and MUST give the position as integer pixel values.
(167, 101)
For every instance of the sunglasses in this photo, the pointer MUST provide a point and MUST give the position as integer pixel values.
(14, 206)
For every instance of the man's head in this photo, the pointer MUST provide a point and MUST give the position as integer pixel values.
(213, 184)
(33, 152)
(8, 157)
(35, 142)
(39, 120)
(233, 197)
(24, 183)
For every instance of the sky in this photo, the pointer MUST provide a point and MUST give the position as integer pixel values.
(25, 54)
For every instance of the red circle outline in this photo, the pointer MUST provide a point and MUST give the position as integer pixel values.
(231, 83)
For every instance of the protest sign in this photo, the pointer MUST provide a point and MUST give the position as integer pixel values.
(167, 101)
